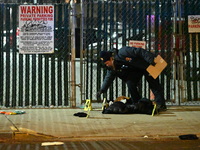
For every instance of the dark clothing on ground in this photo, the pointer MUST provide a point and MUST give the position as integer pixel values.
(144, 106)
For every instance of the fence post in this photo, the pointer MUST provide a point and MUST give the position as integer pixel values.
(73, 56)
(180, 48)
(82, 85)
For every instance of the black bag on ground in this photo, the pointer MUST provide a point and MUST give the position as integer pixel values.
(115, 108)
(144, 106)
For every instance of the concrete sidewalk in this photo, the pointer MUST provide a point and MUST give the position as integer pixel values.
(62, 124)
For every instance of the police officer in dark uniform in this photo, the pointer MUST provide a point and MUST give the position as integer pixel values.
(130, 64)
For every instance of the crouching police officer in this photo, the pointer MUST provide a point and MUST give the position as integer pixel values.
(130, 64)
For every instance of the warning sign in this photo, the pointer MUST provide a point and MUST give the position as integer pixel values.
(138, 44)
(36, 24)
(194, 24)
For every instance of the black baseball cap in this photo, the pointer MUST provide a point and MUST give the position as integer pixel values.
(105, 55)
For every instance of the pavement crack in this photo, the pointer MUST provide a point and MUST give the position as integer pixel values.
(12, 123)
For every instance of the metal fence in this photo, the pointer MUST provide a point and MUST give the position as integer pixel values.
(163, 25)
(34, 80)
(45, 80)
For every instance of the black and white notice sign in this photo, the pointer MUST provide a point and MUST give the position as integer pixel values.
(36, 24)
(194, 24)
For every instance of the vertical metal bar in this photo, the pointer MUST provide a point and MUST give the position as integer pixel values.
(177, 53)
(52, 67)
(46, 81)
(105, 25)
(60, 55)
(33, 77)
(149, 29)
(124, 23)
(163, 35)
(111, 40)
(193, 5)
(20, 77)
(163, 27)
(8, 46)
(1, 53)
(182, 86)
(117, 29)
(27, 80)
(73, 56)
(82, 85)
(174, 46)
(187, 45)
(150, 22)
(157, 14)
(67, 51)
(140, 27)
(14, 27)
(14, 66)
(59, 79)
(92, 51)
(53, 93)
(169, 49)
(105, 40)
(194, 66)
(141, 17)
(145, 26)
(99, 26)
(87, 50)
(40, 79)
(198, 59)
(134, 15)
(195, 51)
(124, 14)
(130, 16)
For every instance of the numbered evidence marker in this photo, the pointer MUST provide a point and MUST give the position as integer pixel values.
(156, 70)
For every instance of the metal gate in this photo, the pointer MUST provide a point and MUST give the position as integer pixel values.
(34, 80)
(163, 25)
(44, 80)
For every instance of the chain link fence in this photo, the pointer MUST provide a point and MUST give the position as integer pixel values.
(34, 80)
(43, 80)
(162, 25)
(191, 53)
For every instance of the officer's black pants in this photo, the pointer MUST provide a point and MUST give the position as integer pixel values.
(133, 81)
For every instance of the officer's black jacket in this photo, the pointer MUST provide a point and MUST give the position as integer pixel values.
(140, 60)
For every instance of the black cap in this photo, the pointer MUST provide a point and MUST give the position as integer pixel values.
(105, 55)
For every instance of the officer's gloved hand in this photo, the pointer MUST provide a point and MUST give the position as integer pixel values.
(153, 63)
(99, 94)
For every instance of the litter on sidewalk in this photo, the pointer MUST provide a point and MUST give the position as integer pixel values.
(15, 112)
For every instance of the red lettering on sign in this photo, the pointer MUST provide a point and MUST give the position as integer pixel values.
(36, 9)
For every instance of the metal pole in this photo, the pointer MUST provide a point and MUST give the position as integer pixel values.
(182, 87)
(175, 48)
(81, 49)
(73, 56)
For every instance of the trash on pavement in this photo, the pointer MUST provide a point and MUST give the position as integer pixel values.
(188, 137)
(52, 143)
(81, 114)
(15, 112)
